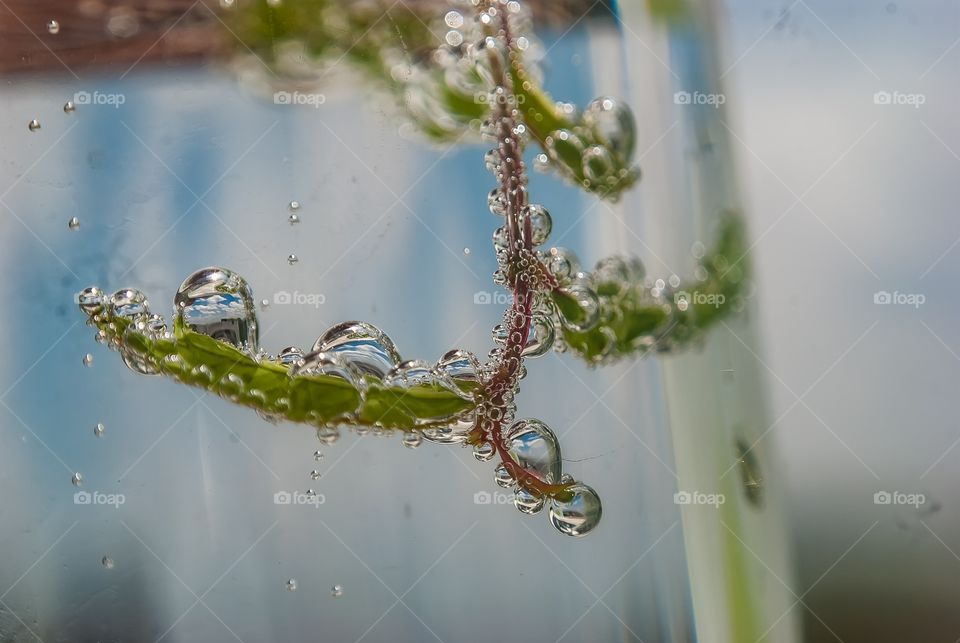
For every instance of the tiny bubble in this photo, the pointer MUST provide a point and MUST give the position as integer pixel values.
(337, 591)
(99, 429)
(53, 27)
(33, 125)
(294, 218)
(292, 259)
(77, 479)
(107, 562)
(73, 223)
(69, 107)
(292, 585)
(88, 360)
(466, 251)
(294, 206)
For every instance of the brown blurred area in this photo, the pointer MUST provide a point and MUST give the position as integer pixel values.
(102, 34)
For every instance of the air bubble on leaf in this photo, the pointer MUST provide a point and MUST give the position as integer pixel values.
(527, 502)
(456, 433)
(290, 355)
(613, 122)
(533, 446)
(138, 363)
(128, 303)
(541, 337)
(579, 307)
(90, 300)
(335, 365)
(361, 344)
(562, 263)
(328, 434)
(413, 372)
(496, 202)
(564, 146)
(502, 476)
(484, 451)
(412, 439)
(597, 164)
(540, 224)
(462, 368)
(579, 515)
(219, 303)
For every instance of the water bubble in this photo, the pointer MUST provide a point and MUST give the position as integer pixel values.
(77, 479)
(69, 107)
(539, 221)
(290, 355)
(453, 19)
(462, 367)
(502, 476)
(579, 515)
(337, 591)
(613, 122)
(597, 163)
(363, 345)
(107, 562)
(331, 364)
(412, 439)
(73, 223)
(292, 585)
(294, 206)
(318, 455)
(484, 451)
(218, 302)
(456, 433)
(491, 159)
(33, 125)
(414, 372)
(541, 337)
(533, 446)
(90, 300)
(563, 145)
(88, 360)
(139, 363)
(99, 430)
(466, 251)
(581, 311)
(53, 27)
(292, 258)
(496, 202)
(328, 434)
(562, 262)
(294, 218)
(527, 502)
(314, 475)
(129, 303)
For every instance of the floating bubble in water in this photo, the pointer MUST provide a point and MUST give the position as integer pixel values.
(292, 585)
(53, 27)
(107, 562)
(541, 337)
(527, 502)
(264, 304)
(501, 475)
(292, 259)
(99, 430)
(363, 345)
(484, 451)
(318, 455)
(88, 360)
(77, 479)
(533, 446)
(537, 217)
(73, 223)
(466, 251)
(33, 125)
(412, 439)
(69, 107)
(218, 302)
(337, 591)
(294, 218)
(90, 300)
(579, 515)
(314, 475)
(294, 206)
(129, 303)
(613, 122)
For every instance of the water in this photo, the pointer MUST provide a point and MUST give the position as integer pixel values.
(197, 185)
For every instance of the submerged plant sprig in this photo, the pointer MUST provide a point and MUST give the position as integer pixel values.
(435, 60)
